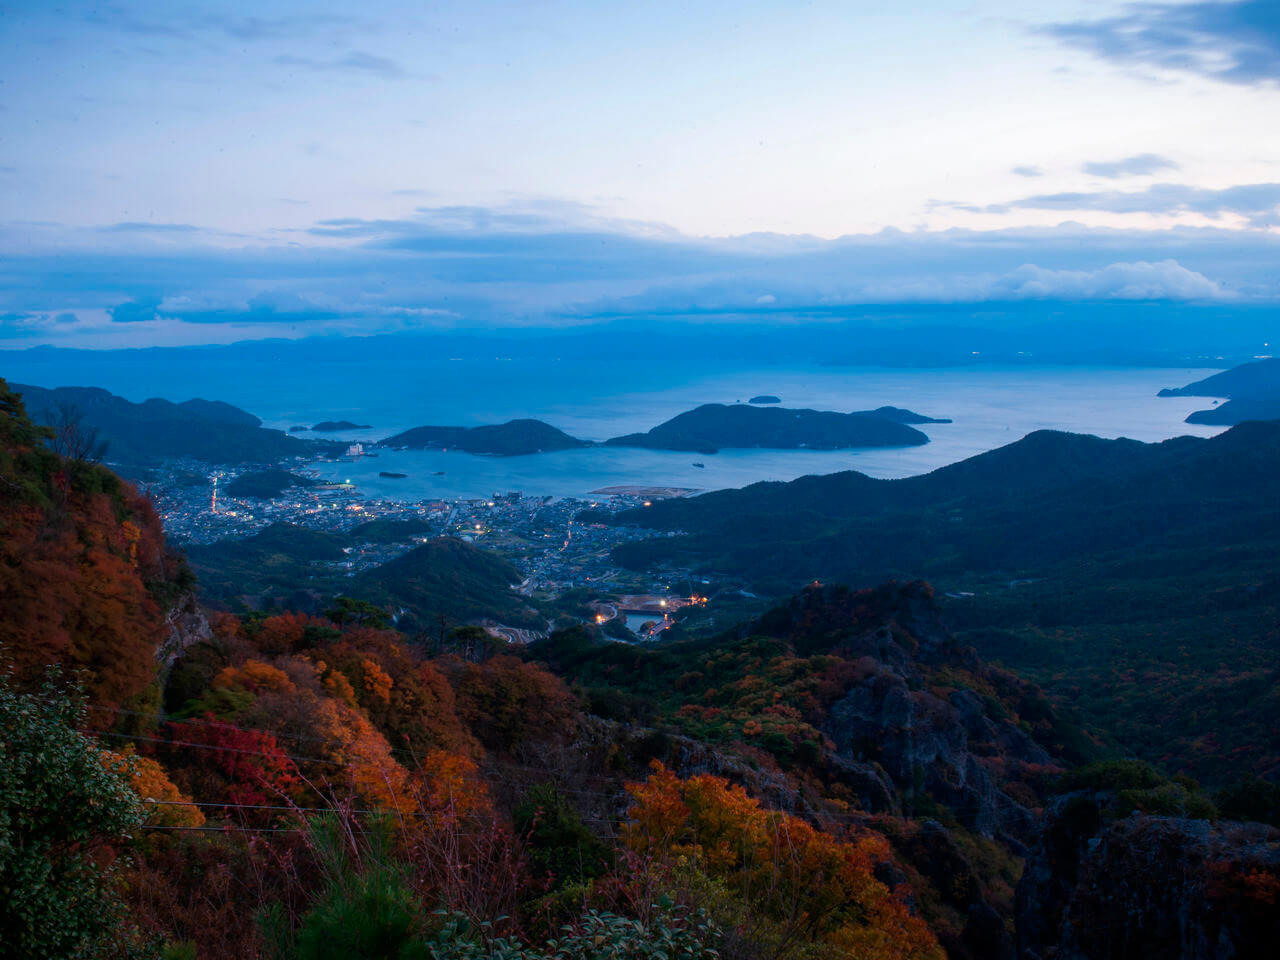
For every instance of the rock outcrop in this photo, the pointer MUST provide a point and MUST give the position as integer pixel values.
(915, 723)
(1102, 887)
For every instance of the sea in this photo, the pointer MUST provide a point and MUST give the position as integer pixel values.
(989, 406)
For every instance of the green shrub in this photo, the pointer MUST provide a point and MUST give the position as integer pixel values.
(59, 802)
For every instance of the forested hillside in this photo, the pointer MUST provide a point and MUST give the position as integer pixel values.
(1135, 582)
(842, 777)
(141, 433)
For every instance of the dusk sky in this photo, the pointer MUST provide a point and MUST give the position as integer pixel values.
(173, 173)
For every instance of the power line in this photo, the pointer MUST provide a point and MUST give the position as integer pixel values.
(249, 806)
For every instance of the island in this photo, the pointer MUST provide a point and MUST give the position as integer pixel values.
(1252, 392)
(714, 426)
(901, 415)
(765, 398)
(299, 429)
(266, 484)
(332, 426)
(392, 476)
(511, 439)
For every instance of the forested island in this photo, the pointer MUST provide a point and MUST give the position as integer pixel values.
(714, 426)
(511, 439)
(334, 426)
(902, 415)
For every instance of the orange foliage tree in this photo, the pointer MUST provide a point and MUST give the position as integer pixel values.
(815, 887)
(346, 754)
(162, 802)
(408, 699)
(507, 701)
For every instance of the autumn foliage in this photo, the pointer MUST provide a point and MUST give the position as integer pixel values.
(816, 886)
(82, 564)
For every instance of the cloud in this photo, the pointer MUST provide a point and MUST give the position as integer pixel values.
(140, 310)
(1027, 171)
(1235, 42)
(129, 226)
(187, 24)
(26, 325)
(117, 18)
(1139, 165)
(1258, 203)
(354, 62)
(276, 28)
(1164, 280)
(511, 267)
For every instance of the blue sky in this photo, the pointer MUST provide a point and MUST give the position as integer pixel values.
(178, 172)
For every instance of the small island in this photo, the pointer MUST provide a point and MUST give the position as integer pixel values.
(332, 426)
(765, 398)
(391, 475)
(299, 429)
(901, 415)
(714, 426)
(1252, 392)
(511, 439)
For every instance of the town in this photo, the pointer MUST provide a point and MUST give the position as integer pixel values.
(540, 535)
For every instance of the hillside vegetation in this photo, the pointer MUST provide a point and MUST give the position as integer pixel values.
(1134, 581)
(141, 433)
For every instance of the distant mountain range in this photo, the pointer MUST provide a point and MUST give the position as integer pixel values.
(1252, 391)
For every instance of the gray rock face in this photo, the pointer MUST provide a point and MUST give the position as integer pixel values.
(896, 740)
(187, 626)
(1158, 888)
(917, 741)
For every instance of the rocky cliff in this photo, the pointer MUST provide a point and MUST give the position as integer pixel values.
(1099, 886)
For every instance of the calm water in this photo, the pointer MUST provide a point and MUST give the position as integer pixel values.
(991, 406)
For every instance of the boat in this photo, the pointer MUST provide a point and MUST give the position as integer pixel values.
(700, 466)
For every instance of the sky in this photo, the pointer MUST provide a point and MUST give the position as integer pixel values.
(175, 173)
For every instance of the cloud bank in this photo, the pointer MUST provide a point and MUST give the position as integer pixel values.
(465, 268)
(1235, 42)
(1257, 203)
(1141, 165)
